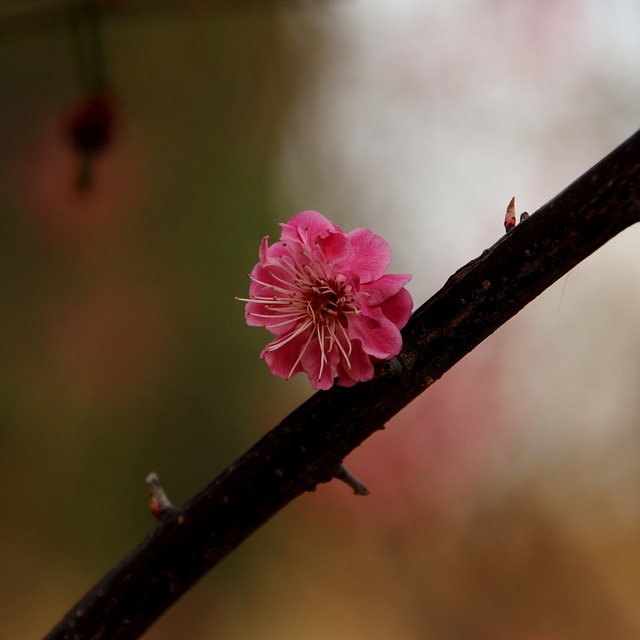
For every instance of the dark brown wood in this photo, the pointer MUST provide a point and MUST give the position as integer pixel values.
(307, 447)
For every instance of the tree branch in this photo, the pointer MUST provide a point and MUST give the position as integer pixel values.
(308, 446)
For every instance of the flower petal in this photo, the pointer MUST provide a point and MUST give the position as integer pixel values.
(282, 361)
(380, 337)
(371, 254)
(383, 288)
(321, 376)
(306, 226)
(398, 308)
(361, 368)
(332, 249)
(264, 248)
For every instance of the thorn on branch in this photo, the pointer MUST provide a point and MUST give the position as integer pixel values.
(345, 476)
(158, 501)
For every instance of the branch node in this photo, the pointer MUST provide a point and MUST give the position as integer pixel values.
(391, 368)
(348, 478)
(394, 367)
(158, 501)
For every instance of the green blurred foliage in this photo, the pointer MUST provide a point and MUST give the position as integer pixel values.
(123, 349)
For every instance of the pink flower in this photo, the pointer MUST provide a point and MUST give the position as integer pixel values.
(325, 295)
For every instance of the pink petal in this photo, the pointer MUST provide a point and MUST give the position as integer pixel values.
(385, 287)
(398, 308)
(334, 248)
(371, 254)
(250, 316)
(270, 273)
(253, 318)
(263, 251)
(311, 366)
(380, 337)
(265, 284)
(280, 361)
(306, 226)
(361, 368)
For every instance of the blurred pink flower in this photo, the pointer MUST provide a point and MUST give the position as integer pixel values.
(440, 456)
(325, 295)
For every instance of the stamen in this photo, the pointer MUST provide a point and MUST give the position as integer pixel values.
(271, 286)
(346, 337)
(310, 311)
(314, 267)
(280, 342)
(262, 300)
(323, 358)
(301, 354)
(325, 264)
(342, 349)
(329, 335)
(287, 266)
(289, 309)
(294, 285)
(299, 267)
(351, 308)
(275, 324)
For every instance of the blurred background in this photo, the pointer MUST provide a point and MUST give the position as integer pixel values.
(146, 148)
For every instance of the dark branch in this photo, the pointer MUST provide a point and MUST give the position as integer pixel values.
(307, 447)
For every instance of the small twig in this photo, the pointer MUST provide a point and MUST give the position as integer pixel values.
(348, 478)
(159, 504)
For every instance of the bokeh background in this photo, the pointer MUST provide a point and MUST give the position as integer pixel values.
(504, 503)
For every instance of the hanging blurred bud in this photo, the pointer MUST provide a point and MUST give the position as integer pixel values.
(82, 174)
(89, 126)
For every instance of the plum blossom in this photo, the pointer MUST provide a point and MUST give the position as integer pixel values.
(325, 296)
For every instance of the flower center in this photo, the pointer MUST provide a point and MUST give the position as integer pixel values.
(313, 303)
(326, 303)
